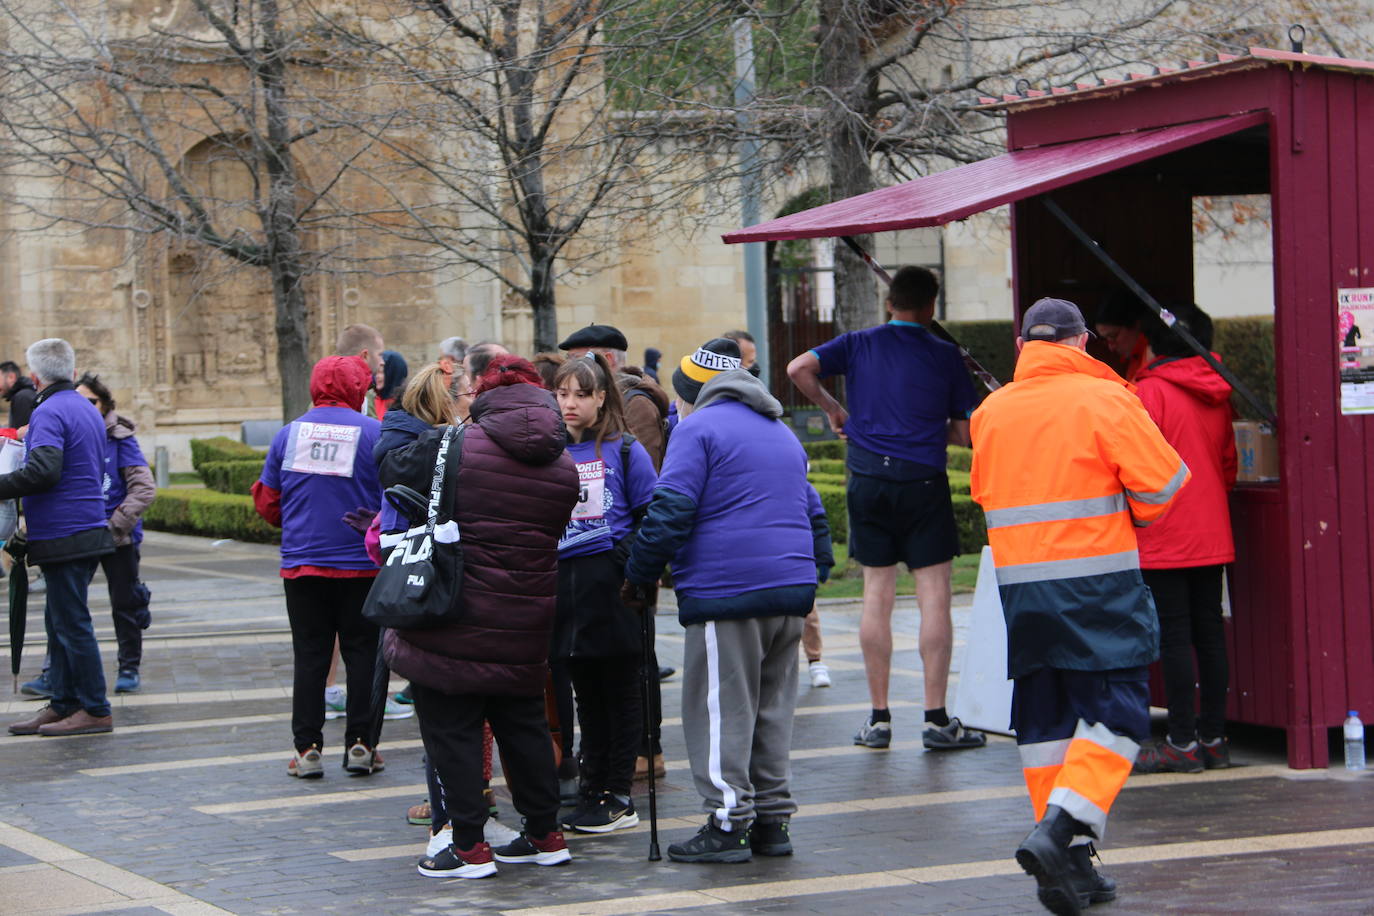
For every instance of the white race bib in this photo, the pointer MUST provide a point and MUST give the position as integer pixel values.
(321, 448)
(592, 476)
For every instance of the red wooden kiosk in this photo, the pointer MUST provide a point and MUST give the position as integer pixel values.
(1123, 159)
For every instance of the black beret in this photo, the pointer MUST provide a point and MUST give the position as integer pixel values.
(596, 335)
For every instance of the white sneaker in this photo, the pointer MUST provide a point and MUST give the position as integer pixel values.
(396, 710)
(440, 841)
(820, 674)
(497, 833)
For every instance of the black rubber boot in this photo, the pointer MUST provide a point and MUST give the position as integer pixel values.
(1093, 886)
(1044, 855)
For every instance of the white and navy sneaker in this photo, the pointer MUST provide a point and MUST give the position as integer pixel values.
(452, 862)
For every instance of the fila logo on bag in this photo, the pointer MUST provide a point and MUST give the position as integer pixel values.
(417, 581)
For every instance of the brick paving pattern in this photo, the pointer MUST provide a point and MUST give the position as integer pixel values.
(220, 827)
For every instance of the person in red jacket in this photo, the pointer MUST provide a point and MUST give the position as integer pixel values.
(1183, 557)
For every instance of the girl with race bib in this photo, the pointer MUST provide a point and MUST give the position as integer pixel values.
(594, 633)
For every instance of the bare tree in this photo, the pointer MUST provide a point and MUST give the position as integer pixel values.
(98, 112)
(566, 145)
(897, 83)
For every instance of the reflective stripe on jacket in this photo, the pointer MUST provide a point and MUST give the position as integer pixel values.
(1065, 461)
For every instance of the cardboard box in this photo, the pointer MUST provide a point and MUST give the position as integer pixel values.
(1257, 452)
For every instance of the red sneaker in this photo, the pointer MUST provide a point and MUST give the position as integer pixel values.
(549, 849)
(1167, 757)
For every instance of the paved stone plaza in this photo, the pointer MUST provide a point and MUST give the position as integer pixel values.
(187, 807)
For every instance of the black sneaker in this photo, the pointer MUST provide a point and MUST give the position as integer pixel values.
(711, 845)
(952, 737)
(545, 850)
(770, 838)
(1216, 755)
(607, 813)
(586, 804)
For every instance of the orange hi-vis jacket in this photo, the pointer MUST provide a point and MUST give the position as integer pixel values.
(1065, 461)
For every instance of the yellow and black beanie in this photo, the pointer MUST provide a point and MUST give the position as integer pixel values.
(711, 359)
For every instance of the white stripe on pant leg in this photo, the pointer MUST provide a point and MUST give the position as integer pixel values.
(1043, 753)
(1103, 736)
(1081, 810)
(728, 798)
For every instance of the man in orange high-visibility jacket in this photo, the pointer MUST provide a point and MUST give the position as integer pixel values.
(1065, 462)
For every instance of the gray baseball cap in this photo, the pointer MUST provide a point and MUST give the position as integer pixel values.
(1052, 319)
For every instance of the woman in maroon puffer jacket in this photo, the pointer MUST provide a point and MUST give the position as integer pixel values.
(514, 490)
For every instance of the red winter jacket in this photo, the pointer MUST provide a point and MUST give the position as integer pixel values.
(1190, 403)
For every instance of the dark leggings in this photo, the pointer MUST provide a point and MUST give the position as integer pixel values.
(1189, 605)
(321, 609)
(610, 717)
(451, 727)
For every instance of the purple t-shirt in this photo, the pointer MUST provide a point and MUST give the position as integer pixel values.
(68, 421)
(902, 385)
(121, 454)
(603, 514)
(322, 464)
(747, 475)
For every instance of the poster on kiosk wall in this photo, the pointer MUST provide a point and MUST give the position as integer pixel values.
(1355, 326)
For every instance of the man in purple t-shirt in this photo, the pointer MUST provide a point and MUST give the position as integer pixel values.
(60, 480)
(909, 395)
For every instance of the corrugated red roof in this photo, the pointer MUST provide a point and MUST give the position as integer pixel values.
(1225, 63)
(960, 192)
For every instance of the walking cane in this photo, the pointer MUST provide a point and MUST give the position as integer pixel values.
(646, 620)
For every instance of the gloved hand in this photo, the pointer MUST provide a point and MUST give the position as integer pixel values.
(638, 598)
(823, 574)
(359, 519)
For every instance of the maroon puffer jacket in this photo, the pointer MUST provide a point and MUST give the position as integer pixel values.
(516, 487)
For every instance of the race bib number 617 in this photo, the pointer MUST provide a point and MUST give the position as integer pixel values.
(321, 448)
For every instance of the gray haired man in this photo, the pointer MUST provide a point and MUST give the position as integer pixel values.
(60, 481)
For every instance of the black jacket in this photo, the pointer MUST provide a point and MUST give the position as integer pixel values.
(22, 397)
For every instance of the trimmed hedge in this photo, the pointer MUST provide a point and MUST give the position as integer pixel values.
(209, 514)
(828, 466)
(958, 458)
(826, 480)
(992, 343)
(973, 528)
(958, 482)
(231, 476)
(1246, 346)
(825, 448)
(220, 448)
(832, 498)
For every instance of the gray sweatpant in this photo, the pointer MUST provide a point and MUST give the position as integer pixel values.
(739, 690)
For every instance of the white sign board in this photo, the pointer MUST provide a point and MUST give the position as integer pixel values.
(982, 698)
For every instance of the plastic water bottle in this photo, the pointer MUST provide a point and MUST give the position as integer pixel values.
(1354, 742)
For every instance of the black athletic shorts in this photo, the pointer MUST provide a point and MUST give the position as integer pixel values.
(901, 521)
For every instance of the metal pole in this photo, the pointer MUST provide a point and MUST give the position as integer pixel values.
(1164, 314)
(751, 189)
(164, 473)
